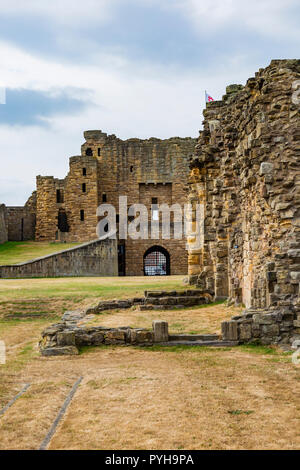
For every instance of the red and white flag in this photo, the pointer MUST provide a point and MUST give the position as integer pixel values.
(208, 98)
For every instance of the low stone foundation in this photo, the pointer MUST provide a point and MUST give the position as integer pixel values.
(267, 326)
(275, 325)
(61, 339)
(167, 300)
(66, 337)
(156, 300)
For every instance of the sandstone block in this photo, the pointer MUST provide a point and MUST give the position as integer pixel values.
(229, 331)
(265, 168)
(160, 331)
(144, 337)
(245, 331)
(66, 338)
(270, 330)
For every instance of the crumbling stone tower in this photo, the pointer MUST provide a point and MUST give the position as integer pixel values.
(245, 175)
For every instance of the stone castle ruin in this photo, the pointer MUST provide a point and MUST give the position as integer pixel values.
(149, 172)
(244, 174)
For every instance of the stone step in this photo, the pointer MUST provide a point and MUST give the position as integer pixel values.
(160, 307)
(188, 301)
(185, 293)
(214, 344)
(194, 338)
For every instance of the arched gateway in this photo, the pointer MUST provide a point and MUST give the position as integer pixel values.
(156, 261)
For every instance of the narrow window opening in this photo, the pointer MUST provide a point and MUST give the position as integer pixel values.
(84, 187)
(22, 229)
(82, 215)
(99, 151)
(155, 212)
(59, 196)
(104, 197)
(83, 171)
(131, 169)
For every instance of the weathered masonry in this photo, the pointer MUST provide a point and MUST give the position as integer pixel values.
(150, 172)
(17, 223)
(245, 176)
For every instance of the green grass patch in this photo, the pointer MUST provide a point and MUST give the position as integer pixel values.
(259, 349)
(240, 412)
(78, 289)
(212, 304)
(181, 348)
(19, 252)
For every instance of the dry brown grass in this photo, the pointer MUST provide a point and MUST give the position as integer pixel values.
(191, 321)
(134, 398)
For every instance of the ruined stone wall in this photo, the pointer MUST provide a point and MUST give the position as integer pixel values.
(109, 168)
(47, 207)
(96, 258)
(3, 224)
(245, 175)
(68, 196)
(21, 220)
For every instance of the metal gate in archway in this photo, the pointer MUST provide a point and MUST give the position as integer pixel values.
(156, 262)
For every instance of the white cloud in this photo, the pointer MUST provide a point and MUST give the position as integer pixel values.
(68, 12)
(130, 99)
(266, 17)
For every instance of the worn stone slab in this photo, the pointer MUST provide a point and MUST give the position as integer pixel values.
(229, 331)
(215, 344)
(160, 331)
(60, 351)
(184, 337)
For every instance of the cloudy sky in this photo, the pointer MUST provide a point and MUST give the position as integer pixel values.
(134, 68)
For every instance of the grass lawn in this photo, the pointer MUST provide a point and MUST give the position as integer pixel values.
(76, 289)
(245, 397)
(19, 252)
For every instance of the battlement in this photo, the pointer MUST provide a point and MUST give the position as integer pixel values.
(94, 135)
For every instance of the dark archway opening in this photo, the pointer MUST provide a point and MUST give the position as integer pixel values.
(122, 259)
(62, 224)
(156, 262)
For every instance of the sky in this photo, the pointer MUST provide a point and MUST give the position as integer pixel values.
(134, 68)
